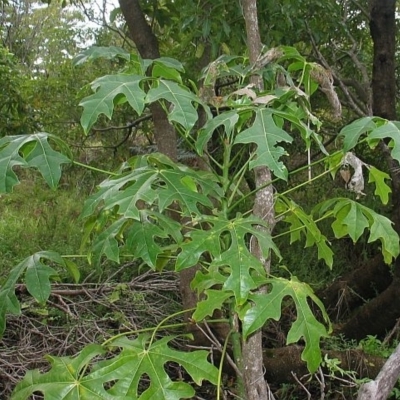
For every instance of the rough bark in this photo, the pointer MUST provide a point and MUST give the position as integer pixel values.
(256, 386)
(380, 388)
(147, 46)
(383, 32)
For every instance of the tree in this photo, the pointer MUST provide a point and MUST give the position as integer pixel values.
(136, 210)
(230, 274)
(15, 114)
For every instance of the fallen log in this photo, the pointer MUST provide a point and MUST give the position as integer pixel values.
(375, 317)
(282, 363)
(353, 289)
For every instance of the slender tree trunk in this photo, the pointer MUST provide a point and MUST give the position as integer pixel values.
(255, 383)
(147, 45)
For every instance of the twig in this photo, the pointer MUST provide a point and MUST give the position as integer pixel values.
(389, 336)
(301, 384)
(321, 381)
(212, 338)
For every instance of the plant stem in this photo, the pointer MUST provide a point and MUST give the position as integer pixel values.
(95, 169)
(237, 354)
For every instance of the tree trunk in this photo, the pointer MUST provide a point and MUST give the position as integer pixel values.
(147, 46)
(383, 32)
(256, 386)
(382, 26)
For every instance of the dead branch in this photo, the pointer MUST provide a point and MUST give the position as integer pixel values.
(380, 388)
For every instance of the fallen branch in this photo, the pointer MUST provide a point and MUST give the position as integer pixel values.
(380, 388)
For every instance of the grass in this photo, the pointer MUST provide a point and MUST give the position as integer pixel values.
(34, 218)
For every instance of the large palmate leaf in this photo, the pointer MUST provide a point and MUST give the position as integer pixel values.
(352, 218)
(182, 109)
(37, 279)
(227, 243)
(64, 381)
(351, 133)
(31, 151)
(389, 130)
(227, 119)
(375, 129)
(94, 52)
(161, 183)
(306, 327)
(120, 208)
(266, 134)
(119, 378)
(302, 223)
(144, 238)
(112, 90)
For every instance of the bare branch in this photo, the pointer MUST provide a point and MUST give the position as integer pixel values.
(380, 388)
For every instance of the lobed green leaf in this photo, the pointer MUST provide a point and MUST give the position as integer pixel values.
(352, 218)
(226, 242)
(112, 90)
(37, 277)
(107, 52)
(83, 378)
(302, 223)
(31, 151)
(265, 133)
(351, 133)
(307, 327)
(389, 130)
(182, 110)
(381, 188)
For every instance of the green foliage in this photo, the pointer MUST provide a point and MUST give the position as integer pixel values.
(70, 378)
(352, 218)
(135, 211)
(31, 151)
(112, 90)
(374, 129)
(372, 345)
(158, 182)
(266, 134)
(302, 223)
(118, 88)
(381, 188)
(15, 117)
(37, 276)
(268, 306)
(108, 52)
